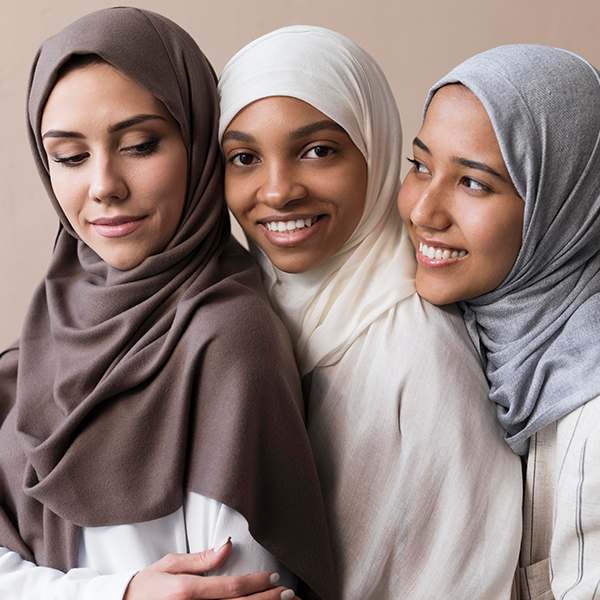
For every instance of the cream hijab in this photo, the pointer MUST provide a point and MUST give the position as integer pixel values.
(328, 307)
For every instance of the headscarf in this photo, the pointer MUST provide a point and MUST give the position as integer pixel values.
(130, 387)
(328, 307)
(538, 331)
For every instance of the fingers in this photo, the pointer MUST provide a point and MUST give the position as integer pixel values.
(234, 586)
(197, 562)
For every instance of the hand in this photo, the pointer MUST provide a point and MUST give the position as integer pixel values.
(179, 577)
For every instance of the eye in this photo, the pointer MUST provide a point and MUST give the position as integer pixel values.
(70, 161)
(243, 159)
(418, 167)
(143, 149)
(475, 185)
(319, 152)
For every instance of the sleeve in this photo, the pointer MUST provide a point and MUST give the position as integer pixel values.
(23, 580)
(575, 548)
(209, 522)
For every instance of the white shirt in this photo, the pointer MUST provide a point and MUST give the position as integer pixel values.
(110, 556)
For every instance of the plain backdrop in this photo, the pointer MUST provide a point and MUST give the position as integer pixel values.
(415, 43)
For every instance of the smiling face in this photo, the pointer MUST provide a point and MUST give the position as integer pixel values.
(462, 211)
(118, 165)
(294, 180)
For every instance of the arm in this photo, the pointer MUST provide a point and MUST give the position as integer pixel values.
(23, 580)
(174, 576)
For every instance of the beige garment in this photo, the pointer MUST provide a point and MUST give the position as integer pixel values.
(422, 494)
(560, 553)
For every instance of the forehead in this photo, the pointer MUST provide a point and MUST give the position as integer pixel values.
(456, 117)
(278, 111)
(100, 90)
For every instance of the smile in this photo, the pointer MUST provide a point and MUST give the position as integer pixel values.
(291, 226)
(440, 253)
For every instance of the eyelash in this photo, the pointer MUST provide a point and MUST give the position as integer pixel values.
(236, 157)
(481, 187)
(329, 149)
(416, 164)
(139, 150)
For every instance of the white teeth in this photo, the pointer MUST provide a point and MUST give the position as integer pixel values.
(439, 253)
(289, 226)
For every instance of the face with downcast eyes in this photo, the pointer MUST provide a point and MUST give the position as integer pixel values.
(462, 211)
(294, 180)
(118, 164)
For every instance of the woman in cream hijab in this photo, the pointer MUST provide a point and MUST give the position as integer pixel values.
(422, 495)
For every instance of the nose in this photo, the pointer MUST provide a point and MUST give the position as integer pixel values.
(281, 184)
(431, 208)
(107, 183)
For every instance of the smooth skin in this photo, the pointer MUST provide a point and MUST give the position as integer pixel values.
(118, 165)
(458, 200)
(118, 168)
(286, 162)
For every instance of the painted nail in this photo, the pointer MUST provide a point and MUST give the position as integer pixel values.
(274, 578)
(218, 547)
(287, 594)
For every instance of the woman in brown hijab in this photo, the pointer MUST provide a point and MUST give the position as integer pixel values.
(151, 405)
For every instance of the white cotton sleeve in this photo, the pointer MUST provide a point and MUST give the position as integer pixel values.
(575, 549)
(110, 556)
(23, 580)
(209, 523)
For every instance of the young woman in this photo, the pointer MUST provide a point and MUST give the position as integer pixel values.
(502, 205)
(152, 405)
(422, 495)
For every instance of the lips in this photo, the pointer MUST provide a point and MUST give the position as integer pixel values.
(119, 226)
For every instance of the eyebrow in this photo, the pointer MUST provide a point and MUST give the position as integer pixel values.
(465, 162)
(324, 125)
(301, 132)
(59, 133)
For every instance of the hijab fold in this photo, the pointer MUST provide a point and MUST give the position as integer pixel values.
(129, 388)
(328, 307)
(538, 330)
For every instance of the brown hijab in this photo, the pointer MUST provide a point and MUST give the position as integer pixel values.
(128, 388)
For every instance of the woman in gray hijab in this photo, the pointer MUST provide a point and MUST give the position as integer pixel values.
(151, 406)
(502, 205)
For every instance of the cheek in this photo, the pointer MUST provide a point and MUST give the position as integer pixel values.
(236, 195)
(68, 190)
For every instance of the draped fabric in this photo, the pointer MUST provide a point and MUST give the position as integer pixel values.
(423, 496)
(327, 308)
(128, 388)
(538, 331)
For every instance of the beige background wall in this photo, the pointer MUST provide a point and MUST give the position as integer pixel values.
(415, 43)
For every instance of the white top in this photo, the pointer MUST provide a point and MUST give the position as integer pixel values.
(422, 494)
(560, 557)
(110, 556)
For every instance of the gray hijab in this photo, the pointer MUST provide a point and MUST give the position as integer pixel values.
(538, 331)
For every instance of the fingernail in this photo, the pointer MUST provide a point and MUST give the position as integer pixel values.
(218, 547)
(287, 594)
(274, 578)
